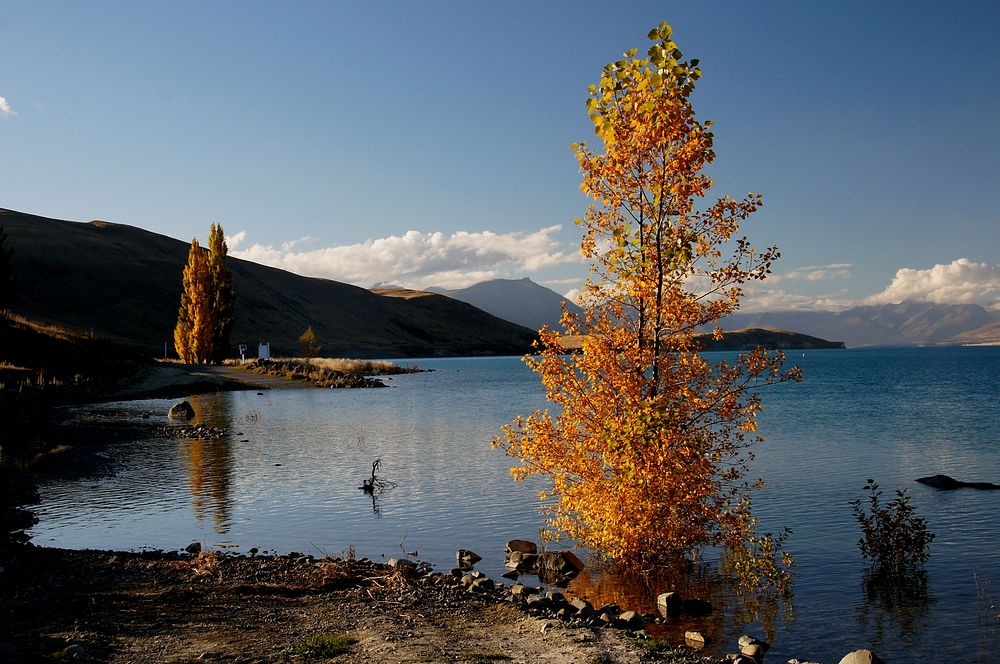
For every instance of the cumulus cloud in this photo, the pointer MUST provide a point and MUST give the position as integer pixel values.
(234, 241)
(416, 259)
(958, 282)
(5, 110)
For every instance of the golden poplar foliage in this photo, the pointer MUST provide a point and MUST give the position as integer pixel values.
(205, 317)
(645, 451)
(223, 295)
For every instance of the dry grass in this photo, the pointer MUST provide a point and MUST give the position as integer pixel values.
(62, 333)
(205, 563)
(366, 367)
(988, 607)
(325, 372)
(401, 293)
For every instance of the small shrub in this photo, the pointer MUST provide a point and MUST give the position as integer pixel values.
(485, 658)
(677, 654)
(323, 646)
(309, 343)
(893, 537)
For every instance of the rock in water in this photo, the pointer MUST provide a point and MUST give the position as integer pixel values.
(466, 558)
(182, 410)
(946, 483)
(523, 546)
(669, 604)
(861, 657)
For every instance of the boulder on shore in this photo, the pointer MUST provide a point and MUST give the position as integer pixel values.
(182, 410)
(861, 657)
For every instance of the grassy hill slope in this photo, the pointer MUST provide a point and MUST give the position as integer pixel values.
(124, 283)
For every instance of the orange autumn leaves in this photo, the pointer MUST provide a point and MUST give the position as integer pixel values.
(646, 448)
(205, 316)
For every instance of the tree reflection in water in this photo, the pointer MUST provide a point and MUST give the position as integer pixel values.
(895, 608)
(732, 613)
(210, 462)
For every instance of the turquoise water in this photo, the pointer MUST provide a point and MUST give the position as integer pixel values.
(288, 482)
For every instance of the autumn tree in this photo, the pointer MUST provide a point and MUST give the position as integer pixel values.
(645, 453)
(223, 294)
(205, 317)
(309, 343)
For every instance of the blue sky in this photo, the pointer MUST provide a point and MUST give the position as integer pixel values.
(427, 143)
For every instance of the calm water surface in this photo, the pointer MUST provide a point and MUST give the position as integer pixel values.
(287, 481)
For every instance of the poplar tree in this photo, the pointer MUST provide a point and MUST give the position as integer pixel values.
(205, 317)
(223, 294)
(645, 453)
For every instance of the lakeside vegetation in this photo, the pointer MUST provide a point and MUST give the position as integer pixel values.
(326, 372)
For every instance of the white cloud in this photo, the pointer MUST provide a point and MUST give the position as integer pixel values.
(814, 273)
(234, 241)
(5, 110)
(416, 259)
(758, 299)
(573, 295)
(958, 282)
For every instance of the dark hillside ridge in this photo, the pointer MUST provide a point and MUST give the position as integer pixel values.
(124, 283)
(758, 338)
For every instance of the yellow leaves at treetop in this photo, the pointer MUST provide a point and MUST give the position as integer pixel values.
(645, 452)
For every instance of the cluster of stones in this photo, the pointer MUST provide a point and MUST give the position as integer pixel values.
(183, 410)
(552, 567)
(197, 432)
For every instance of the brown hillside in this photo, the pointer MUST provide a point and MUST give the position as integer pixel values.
(987, 335)
(124, 282)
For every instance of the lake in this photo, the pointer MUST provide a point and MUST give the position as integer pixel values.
(288, 478)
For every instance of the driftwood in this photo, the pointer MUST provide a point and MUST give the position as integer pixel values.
(376, 484)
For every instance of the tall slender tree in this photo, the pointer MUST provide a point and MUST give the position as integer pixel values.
(645, 453)
(190, 334)
(205, 317)
(223, 294)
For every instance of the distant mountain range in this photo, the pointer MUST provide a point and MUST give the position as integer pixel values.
(520, 301)
(124, 283)
(903, 324)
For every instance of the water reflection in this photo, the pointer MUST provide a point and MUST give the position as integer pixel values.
(894, 609)
(603, 584)
(209, 463)
(698, 583)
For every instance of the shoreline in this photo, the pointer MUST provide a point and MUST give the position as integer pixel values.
(166, 380)
(153, 606)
